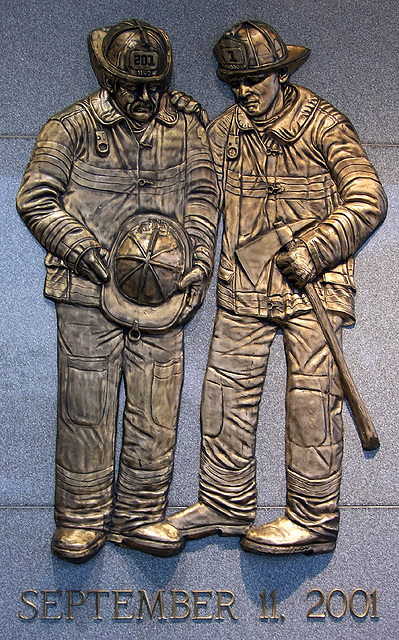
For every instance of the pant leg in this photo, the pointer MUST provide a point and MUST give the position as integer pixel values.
(89, 372)
(153, 371)
(314, 428)
(229, 413)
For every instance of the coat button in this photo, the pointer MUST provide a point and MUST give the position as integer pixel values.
(143, 182)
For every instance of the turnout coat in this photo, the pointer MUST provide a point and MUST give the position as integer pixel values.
(89, 172)
(306, 169)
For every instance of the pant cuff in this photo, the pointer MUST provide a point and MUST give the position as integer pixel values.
(231, 492)
(141, 497)
(314, 503)
(83, 500)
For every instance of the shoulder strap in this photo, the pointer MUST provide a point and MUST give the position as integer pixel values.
(231, 152)
(102, 143)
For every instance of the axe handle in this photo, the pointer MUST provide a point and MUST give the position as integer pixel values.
(367, 432)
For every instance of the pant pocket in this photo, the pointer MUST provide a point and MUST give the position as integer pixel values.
(85, 390)
(212, 406)
(165, 392)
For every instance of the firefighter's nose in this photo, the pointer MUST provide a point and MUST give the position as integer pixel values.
(144, 93)
(242, 89)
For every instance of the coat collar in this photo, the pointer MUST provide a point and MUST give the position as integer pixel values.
(287, 125)
(106, 112)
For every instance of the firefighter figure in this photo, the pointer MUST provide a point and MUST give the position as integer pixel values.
(120, 191)
(289, 165)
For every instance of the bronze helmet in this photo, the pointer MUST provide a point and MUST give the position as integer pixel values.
(252, 48)
(131, 51)
(147, 261)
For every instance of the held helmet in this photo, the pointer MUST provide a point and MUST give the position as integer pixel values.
(132, 52)
(253, 48)
(147, 260)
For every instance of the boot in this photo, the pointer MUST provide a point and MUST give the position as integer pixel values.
(159, 539)
(310, 524)
(199, 521)
(168, 538)
(77, 545)
(285, 537)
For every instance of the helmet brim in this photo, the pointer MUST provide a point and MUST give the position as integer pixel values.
(295, 58)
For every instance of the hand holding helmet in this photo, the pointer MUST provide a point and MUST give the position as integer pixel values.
(91, 265)
(198, 281)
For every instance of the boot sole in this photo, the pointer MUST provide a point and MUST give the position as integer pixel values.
(154, 548)
(222, 530)
(308, 549)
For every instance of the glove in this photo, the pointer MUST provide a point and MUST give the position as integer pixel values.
(91, 265)
(296, 264)
(196, 279)
(186, 103)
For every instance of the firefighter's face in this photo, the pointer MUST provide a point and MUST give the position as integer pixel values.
(257, 95)
(139, 101)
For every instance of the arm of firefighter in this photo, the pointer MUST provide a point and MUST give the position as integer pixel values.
(201, 215)
(363, 203)
(201, 211)
(218, 132)
(39, 203)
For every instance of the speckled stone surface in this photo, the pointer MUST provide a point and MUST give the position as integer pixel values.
(353, 63)
(45, 67)
(365, 558)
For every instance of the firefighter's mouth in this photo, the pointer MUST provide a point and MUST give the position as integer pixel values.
(250, 103)
(142, 107)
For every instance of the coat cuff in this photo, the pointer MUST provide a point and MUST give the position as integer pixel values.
(324, 248)
(72, 253)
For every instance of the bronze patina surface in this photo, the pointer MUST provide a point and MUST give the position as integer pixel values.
(299, 198)
(121, 192)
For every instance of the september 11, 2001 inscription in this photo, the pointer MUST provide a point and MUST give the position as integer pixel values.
(180, 604)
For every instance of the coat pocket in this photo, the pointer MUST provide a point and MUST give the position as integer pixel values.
(342, 275)
(57, 279)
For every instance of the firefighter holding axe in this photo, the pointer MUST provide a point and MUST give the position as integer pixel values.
(299, 198)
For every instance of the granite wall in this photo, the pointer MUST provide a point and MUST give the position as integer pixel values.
(44, 67)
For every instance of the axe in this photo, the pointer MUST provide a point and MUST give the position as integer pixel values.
(367, 432)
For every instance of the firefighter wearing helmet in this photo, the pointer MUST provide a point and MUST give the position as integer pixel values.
(290, 166)
(120, 191)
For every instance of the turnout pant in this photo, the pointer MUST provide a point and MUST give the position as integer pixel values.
(94, 356)
(229, 416)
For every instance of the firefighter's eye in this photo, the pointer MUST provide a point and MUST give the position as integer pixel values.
(255, 80)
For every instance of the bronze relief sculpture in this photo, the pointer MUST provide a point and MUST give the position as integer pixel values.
(121, 192)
